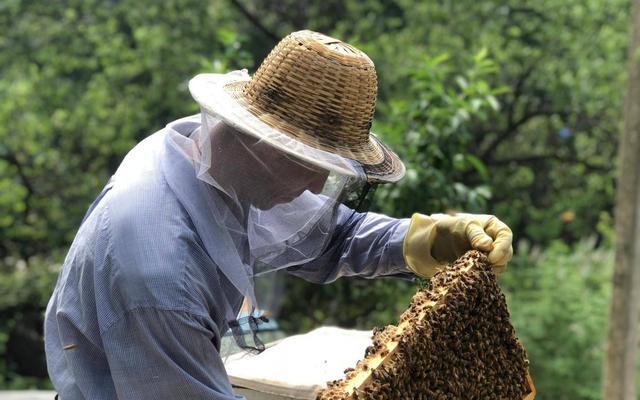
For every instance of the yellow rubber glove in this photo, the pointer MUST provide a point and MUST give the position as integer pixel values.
(432, 241)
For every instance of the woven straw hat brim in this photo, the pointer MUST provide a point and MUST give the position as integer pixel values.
(219, 94)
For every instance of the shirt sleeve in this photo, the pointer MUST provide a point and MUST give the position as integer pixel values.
(166, 354)
(367, 245)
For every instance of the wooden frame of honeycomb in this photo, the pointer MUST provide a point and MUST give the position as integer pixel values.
(455, 341)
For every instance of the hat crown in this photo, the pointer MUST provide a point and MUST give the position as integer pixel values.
(322, 89)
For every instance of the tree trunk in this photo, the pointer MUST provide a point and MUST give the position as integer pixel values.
(620, 362)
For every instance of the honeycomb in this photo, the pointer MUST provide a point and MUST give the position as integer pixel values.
(455, 341)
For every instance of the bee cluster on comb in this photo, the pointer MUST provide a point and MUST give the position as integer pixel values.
(455, 341)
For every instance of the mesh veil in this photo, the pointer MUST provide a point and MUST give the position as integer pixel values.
(276, 209)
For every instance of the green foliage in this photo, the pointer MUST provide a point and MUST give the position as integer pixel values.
(434, 124)
(25, 288)
(84, 82)
(349, 303)
(558, 302)
(551, 147)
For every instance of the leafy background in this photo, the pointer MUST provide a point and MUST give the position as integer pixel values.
(511, 108)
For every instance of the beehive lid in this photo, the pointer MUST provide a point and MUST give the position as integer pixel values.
(297, 367)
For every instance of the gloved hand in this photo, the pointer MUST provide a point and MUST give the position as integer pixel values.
(432, 241)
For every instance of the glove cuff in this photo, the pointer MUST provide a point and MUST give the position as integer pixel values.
(417, 245)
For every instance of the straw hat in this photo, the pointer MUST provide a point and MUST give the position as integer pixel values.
(311, 88)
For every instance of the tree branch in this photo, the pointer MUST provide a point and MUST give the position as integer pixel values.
(512, 128)
(13, 160)
(510, 111)
(255, 21)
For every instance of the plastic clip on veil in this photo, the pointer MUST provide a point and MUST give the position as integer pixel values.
(281, 151)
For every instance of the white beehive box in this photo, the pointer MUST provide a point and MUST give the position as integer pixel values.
(297, 367)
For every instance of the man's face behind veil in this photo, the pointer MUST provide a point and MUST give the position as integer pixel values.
(274, 177)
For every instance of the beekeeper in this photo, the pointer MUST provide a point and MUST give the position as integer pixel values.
(253, 184)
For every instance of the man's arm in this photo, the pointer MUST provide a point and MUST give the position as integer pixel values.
(365, 244)
(166, 354)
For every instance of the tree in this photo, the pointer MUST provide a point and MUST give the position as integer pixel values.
(620, 362)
